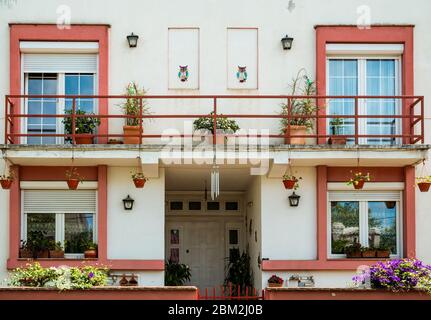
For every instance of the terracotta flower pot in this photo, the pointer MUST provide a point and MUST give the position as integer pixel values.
(6, 183)
(383, 253)
(296, 130)
(73, 184)
(369, 254)
(139, 183)
(131, 131)
(338, 140)
(26, 254)
(289, 184)
(44, 254)
(354, 254)
(274, 285)
(359, 184)
(84, 139)
(56, 254)
(90, 254)
(423, 186)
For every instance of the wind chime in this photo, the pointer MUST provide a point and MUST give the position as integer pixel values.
(215, 180)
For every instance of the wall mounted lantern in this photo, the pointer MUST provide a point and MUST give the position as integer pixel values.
(128, 203)
(132, 39)
(286, 42)
(294, 199)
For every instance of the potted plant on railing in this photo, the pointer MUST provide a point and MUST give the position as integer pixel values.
(85, 127)
(336, 126)
(139, 179)
(223, 125)
(56, 250)
(73, 178)
(424, 183)
(358, 180)
(353, 251)
(302, 109)
(291, 181)
(275, 281)
(6, 180)
(132, 109)
(91, 250)
(367, 252)
(383, 252)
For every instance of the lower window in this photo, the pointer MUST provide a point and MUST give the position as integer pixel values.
(370, 219)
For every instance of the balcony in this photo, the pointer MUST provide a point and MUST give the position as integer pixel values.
(346, 124)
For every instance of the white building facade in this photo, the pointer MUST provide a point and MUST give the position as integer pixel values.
(369, 65)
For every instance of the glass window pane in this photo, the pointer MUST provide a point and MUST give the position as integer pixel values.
(335, 68)
(195, 205)
(176, 205)
(382, 225)
(175, 255)
(175, 236)
(34, 84)
(71, 84)
(350, 68)
(41, 223)
(344, 225)
(50, 84)
(373, 68)
(78, 231)
(233, 236)
(388, 68)
(87, 84)
(213, 205)
(231, 206)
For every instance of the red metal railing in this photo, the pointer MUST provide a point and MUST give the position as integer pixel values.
(412, 120)
(230, 292)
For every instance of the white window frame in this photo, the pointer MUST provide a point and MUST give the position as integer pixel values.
(363, 199)
(59, 226)
(362, 86)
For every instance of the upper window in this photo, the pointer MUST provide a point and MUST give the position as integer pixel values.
(365, 76)
(372, 219)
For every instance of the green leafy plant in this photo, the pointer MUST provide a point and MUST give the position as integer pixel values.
(132, 105)
(239, 274)
(423, 179)
(336, 125)
(359, 176)
(207, 123)
(353, 248)
(292, 178)
(78, 242)
(37, 241)
(83, 125)
(306, 108)
(275, 279)
(176, 274)
(139, 175)
(9, 176)
(73, 174)
(90, 245)
(53, 245)
(33, 275)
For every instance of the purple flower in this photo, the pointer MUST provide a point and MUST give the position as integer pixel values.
(91, 275)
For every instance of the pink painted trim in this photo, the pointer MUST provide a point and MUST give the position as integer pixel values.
(352, 34)
(14, 216)
(47, 32)
(378, 174)
(155, 265)
(324, 264)
(322, 200)
(409, 217)
(38, 173)
(102, 204)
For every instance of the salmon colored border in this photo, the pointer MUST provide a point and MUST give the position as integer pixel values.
(100, 174)
(47, 32)
(338, 174)
(352, 34)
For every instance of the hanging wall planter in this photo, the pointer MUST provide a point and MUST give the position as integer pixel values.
(139, 179)
(290, 181)
(424, 183)
(358, 180)
(6, 181)
(73, 178)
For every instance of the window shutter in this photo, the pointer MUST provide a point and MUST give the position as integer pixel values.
(60, 201)
(61, 62)
(364, 196)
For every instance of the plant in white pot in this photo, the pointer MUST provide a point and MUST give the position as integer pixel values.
(223, 126)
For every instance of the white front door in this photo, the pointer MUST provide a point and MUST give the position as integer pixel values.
(201, 246)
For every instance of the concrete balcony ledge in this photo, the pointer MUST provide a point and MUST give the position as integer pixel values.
(286, 293)
(101, 293)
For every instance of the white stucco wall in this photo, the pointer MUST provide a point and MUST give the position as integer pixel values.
(289, 233)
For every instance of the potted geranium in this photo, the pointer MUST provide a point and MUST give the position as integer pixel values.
(73, 178)
(291, 181)
(336, 126)
(139, 179)
(368, 252)
(302, 109)
(91, 250)
(6, 180)
(353, 251)
(85, 127)
(275, 281)
(132, 108)
(358, 180)
(224, 125)
(383, 252)
(424, 183)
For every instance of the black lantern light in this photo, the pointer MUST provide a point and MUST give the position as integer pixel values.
(294, 199)
(128, 203)
(286, 42)
(133, 40)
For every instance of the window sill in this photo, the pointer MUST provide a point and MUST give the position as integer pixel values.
(329, 264)
(50, 262)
